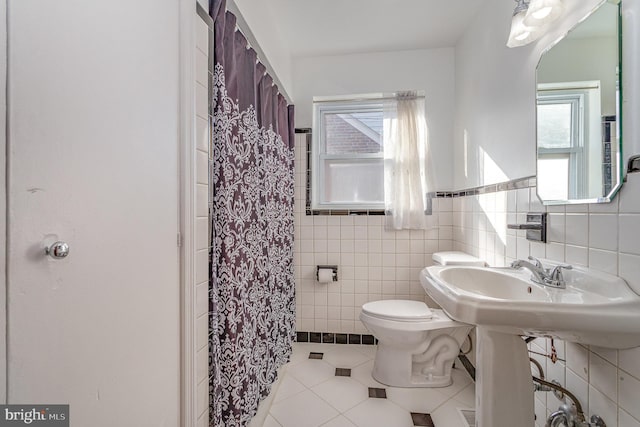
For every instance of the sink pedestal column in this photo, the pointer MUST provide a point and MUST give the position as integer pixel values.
(504, 388)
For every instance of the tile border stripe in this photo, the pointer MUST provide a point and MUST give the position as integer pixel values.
(468, 366)
(335, 338)
(514, 184)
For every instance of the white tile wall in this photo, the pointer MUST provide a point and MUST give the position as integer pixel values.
(373, 263)
(202, 219)
(602, 237)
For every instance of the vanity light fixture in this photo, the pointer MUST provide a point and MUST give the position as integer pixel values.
(520, 34)
(543, 12)
(530, 20)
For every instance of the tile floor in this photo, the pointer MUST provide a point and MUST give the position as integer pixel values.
(334, 388)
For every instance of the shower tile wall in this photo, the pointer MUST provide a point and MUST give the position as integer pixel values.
(604, 237)
(202, 218)
(373, 264)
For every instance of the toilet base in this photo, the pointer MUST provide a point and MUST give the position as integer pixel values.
(416, 353)
(431, 380)
(425, 381)
(427, 364)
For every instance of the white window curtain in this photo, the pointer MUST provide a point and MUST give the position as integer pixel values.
(406, 159)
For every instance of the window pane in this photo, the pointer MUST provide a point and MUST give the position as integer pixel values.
(554, 125)
(353, 181)
(553, 177)
(357, 132)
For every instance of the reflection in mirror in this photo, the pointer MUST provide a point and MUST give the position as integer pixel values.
(578, 96)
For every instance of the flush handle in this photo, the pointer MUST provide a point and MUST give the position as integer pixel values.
(58, 250)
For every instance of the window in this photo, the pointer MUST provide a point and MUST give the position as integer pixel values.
(559, 146)
(347, 155)
(566, 113)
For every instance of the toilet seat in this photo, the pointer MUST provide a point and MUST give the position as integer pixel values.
(398, 310)
(438, 320)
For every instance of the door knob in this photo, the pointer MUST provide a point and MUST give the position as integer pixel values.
(58, 250)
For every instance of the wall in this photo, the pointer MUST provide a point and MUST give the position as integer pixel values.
(495, 96)
(202, 237)
(431, 70)
(264, 26)
(494, 126)
(373, 264)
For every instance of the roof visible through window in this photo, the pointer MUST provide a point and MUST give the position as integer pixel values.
(355, 132)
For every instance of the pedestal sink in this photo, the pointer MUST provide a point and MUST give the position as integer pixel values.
(594, 308)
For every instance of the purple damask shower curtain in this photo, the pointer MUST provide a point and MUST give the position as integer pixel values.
(252, 292)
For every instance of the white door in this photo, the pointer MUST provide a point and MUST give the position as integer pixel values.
(93, 143)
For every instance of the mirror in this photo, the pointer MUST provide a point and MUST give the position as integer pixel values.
(578, 112)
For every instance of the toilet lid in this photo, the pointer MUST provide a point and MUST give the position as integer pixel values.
(403, 310)
(457, 258)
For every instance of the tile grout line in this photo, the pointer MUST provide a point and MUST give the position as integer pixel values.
(319, 347)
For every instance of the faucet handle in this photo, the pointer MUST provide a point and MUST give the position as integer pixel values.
(535, 261)
(556, 273)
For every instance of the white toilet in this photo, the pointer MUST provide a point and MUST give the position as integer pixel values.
(416, 344)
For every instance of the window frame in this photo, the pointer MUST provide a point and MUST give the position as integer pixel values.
(576, 150)
(319, 156)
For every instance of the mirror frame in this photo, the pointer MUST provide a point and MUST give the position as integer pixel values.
(607, 198)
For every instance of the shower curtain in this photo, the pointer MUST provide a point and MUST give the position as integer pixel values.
(252, 284)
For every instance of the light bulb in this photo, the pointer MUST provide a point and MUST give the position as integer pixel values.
(542, 12)
(521, 34)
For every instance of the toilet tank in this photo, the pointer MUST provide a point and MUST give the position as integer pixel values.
(457, 258)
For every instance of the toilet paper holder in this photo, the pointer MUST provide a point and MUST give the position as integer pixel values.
(333, 268)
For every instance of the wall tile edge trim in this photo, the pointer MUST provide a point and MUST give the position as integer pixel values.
(335, 338)
(514, 184)
(468, 366)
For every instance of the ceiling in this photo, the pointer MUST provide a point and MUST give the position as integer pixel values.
(336, 27)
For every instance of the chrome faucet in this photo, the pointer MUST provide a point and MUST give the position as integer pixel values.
(543, 276)
(538, 273)
(558, 418)
(567, 415)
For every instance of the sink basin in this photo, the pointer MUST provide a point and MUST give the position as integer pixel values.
(595, 308)
(491, 284)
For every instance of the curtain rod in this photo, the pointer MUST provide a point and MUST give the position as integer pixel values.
(243, 27)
